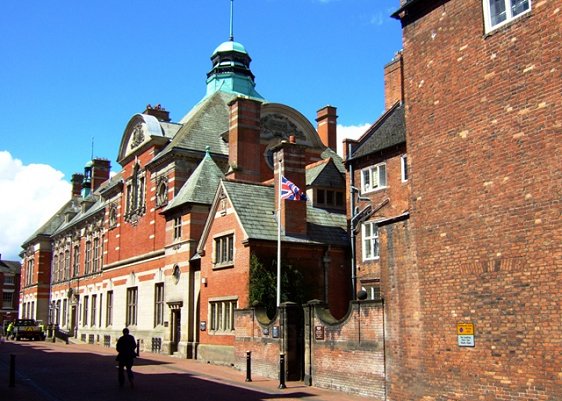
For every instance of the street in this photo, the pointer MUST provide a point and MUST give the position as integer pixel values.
(67, 372)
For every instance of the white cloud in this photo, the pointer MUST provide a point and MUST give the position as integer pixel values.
(349, 132)
(29, 196)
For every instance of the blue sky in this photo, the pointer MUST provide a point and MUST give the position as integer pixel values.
(76, 70)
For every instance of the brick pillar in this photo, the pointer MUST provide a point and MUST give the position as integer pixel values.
(76, 182)
(244, 140)
(289, 159)
(393, 82)
(100, 172)
(327, 118)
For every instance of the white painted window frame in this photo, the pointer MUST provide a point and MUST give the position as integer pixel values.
(368, 241)
(509, 14)
(374, 181)
(404, 167)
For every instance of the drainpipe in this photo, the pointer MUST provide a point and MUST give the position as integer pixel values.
(326, 260)
(352, 227)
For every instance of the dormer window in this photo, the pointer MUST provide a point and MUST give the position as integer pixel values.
(329, 198)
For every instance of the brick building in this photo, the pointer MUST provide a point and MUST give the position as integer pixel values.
(481, 247)
(9, 288)
(378, 179)
(121, 251)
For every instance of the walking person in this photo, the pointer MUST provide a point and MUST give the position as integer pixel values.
(126, 353)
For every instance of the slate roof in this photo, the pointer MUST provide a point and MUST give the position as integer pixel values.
(389, 130)
(324, 174)
(98, 205)
(53, 223)
(201, 185)
(254, 205)
(203, 126)
(330, 153)
(10, 266)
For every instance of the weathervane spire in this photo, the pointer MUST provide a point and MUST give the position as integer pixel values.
(231, 20)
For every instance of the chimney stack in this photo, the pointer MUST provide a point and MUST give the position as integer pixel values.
(393, 81)
(76, 182)
(244, 140)
(326, 118)
(100, 172)
(289, 159)
(157, 111)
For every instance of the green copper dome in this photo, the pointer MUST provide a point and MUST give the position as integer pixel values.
(231, 71)
(230, 46)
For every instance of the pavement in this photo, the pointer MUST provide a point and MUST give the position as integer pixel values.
(46, 371)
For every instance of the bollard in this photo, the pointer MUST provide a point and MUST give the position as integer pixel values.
(282, 371)
(12, 371)
(138, 348)
(248, 366)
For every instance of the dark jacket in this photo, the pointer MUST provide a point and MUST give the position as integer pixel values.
(126, 348)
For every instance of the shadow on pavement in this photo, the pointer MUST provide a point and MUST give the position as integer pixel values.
(70, 374)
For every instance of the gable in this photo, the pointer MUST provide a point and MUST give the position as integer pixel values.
(140, 130)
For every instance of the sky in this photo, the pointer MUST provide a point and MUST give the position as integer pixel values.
(73, 73)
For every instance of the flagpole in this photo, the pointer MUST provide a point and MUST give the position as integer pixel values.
(279, 236)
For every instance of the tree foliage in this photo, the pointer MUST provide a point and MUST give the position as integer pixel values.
(263, 284)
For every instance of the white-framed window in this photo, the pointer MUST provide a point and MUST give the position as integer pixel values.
(66, 273)
(373, 178)
(224, 249)
(109, 309)
(370, 237)
(9, 279)
(404, 167)
(29, 272)
(76, 261)
(373, 291)
(85, 310)
(500, 12)
(158, 304)
(94, 310)
(88, 258)
(221, 315)
(96, 259)
(132, 306)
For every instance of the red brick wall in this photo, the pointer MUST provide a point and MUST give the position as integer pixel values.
(350, 357)
(398, 194)
(483, 127)
(254, 334)
(393, 82)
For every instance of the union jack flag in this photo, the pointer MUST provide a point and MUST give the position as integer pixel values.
(290, 191)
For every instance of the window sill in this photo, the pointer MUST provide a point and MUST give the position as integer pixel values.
(221, 333)
(376, 259)
(224, 265)
(378, 189)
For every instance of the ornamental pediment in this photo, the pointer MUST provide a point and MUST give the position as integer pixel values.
(139, 131)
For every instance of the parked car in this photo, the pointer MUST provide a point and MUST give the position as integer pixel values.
(27, 328)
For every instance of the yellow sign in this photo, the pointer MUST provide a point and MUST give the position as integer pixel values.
(465, 329)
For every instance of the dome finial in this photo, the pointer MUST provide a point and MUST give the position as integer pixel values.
(231, 20)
